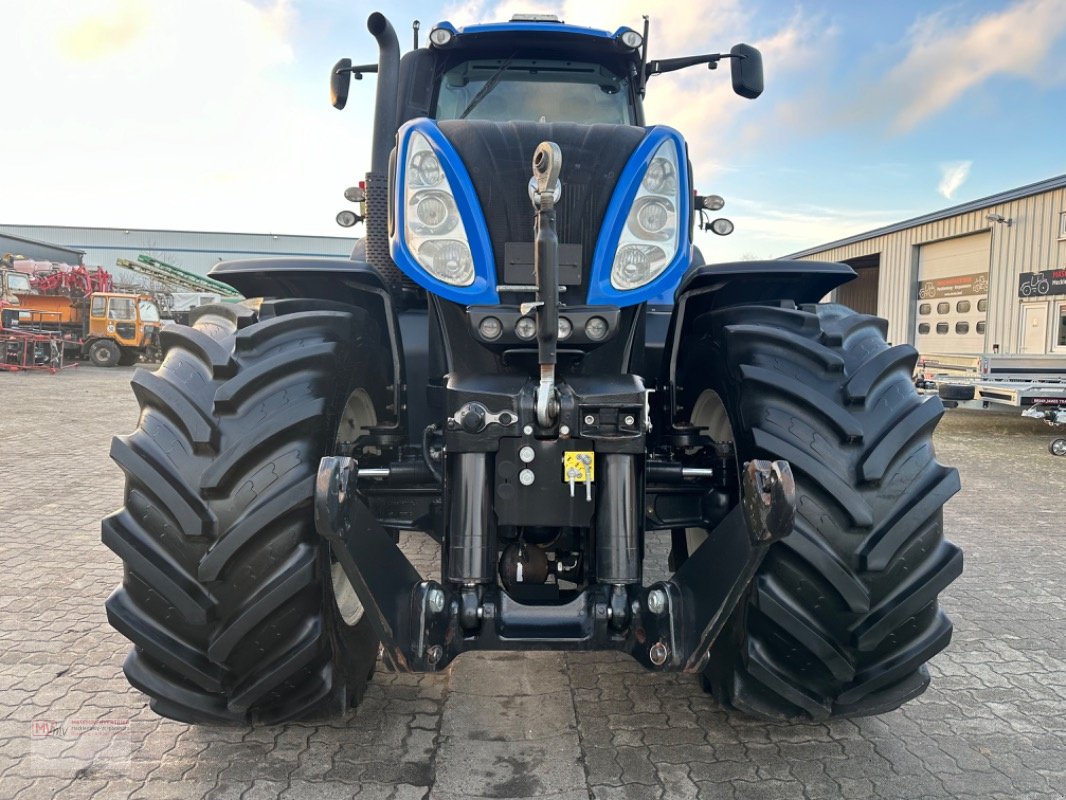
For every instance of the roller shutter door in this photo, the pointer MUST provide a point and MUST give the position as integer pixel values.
(953, 295)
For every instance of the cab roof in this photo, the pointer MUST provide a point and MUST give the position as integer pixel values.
(545, 32)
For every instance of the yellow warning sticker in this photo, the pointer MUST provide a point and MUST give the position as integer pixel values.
(579, 466)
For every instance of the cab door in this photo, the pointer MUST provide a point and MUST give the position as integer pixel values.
(122, 320)
(96, 325)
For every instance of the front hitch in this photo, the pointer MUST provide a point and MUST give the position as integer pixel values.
(423, 625)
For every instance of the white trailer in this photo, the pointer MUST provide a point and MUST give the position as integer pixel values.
(993, 381)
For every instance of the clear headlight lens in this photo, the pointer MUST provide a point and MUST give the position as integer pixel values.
(448, 259)
(433, 229)
(425, 169)
(661, 177)
(649, 241)
(653, 218)
(636, 264)
(433, 213)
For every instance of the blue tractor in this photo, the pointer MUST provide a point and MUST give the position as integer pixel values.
(528, 360)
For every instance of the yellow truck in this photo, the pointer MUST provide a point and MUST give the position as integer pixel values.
(108, 328)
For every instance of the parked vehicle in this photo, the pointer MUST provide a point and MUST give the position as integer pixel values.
(993, 381)
(108, 328)
(528, 359)
(1054, 414)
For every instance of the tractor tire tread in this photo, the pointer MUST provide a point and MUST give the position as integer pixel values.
(842, 614)
(225, 594)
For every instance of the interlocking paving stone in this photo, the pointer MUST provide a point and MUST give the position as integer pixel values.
(560, 726)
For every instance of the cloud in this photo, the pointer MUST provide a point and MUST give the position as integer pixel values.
(104, 31)
(769, 230)
(173, 114)
(699, 103)
(952, 176)
(945, 61)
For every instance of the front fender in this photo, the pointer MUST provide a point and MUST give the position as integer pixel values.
(338, 280)
(711, 286)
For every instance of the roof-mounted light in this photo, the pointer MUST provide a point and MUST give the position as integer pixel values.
(441, 37)
(631, 39)
(535, 18)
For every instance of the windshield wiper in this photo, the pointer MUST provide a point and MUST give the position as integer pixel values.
(490, 84)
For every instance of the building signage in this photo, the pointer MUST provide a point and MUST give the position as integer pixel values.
(1045, 282)
(954, 286)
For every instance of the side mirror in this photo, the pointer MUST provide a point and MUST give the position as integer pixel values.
(340, 80)
(746, 67)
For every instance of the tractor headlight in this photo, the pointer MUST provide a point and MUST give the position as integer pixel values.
(433, 227)
(661, 176)
(448, 259)
(424, 169)
(649, 241)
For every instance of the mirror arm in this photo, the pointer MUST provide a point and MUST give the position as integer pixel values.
(674, 64)
(357, 72)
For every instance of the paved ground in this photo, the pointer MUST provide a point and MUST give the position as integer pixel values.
(993, 725)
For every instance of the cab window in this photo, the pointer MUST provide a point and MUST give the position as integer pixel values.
(534, 90)
(98, 305)
(18, 282)
(148, 311)
(120, 308)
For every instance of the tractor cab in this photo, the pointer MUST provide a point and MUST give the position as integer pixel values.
(532, 70)
(130, 320)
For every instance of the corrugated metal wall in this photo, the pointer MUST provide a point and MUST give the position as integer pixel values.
(35, 250)
(193, 250)
(1029, 244)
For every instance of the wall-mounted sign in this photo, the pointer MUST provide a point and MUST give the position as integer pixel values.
(1039, 284)
(954, 286)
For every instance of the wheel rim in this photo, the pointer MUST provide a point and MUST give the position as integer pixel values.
(348, 604)
(357, 417)
(1058, 447)
(709, 413)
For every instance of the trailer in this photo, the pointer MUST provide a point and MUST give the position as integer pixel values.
(993, 381)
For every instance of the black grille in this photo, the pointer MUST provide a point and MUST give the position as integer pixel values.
(499, 158)
(377, 231)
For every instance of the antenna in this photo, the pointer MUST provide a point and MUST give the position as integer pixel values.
(643, 77)
(414, 28)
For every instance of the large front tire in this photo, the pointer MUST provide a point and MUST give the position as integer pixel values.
(227, 593)
(843, 614)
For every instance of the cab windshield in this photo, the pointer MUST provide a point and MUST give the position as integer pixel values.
(534, 90)
(148, 311)
(18, 282)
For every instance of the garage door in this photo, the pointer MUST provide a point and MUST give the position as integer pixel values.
(952, 299)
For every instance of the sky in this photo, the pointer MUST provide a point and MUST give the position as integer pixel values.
(214, 114)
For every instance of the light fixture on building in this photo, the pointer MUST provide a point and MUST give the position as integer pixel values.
(999, 218)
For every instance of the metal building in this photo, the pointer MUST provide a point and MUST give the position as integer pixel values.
(193, 250)
(981, 277)
(21, 247)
